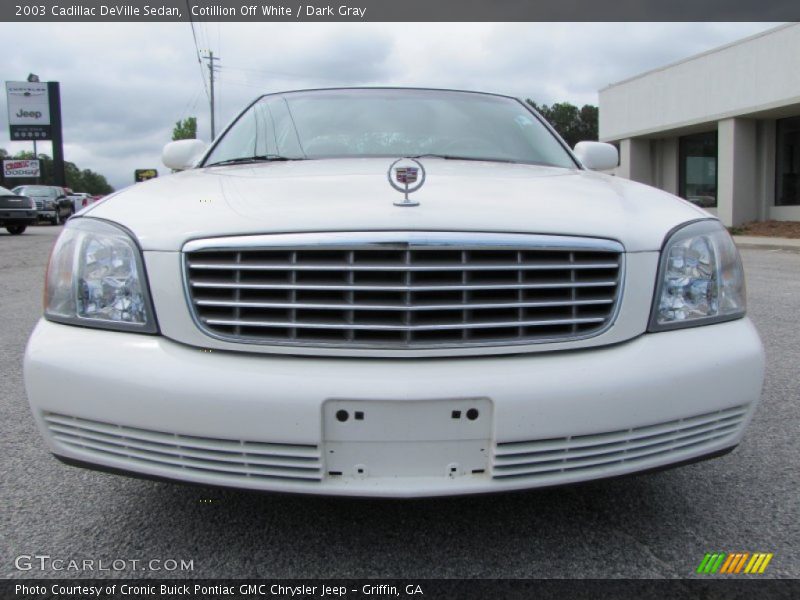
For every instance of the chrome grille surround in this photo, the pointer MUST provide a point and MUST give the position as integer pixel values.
(403, 290)
(187, 453)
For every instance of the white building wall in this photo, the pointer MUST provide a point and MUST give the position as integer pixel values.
(739, 90)
(665, 159)
(635, 161)
(765, 168)
(737, 200)
(759, 73)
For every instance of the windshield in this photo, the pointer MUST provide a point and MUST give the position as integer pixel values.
(389, 123)
(39, 192)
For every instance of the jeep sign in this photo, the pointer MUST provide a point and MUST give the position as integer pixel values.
(28, 111)
(21, 168)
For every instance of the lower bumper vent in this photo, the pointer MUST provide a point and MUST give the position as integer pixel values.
(236, 458)
(582, 453)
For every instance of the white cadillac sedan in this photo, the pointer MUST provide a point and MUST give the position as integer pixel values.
(392, 292)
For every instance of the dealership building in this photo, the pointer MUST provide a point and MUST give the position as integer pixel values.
(721, 129)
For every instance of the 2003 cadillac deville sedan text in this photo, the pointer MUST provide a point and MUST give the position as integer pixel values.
(392, 292)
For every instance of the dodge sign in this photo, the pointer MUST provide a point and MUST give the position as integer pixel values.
(21, 168)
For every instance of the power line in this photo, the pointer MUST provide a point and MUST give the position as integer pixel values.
(189, 107)
(211, 58)
(243, 84)
(194, 102)
(219, 49)
(203, 35)
(197, 50)
(281, 73)
(191, 24)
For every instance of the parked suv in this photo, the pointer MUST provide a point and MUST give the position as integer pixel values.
(51, 201)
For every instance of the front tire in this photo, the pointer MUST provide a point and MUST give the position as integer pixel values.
(16, 229)
(57, 218)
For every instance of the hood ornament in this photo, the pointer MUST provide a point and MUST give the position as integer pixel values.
(406, 175)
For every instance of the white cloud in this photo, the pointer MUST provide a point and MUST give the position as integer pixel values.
(124, 85)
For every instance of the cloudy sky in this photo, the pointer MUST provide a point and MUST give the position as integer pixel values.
(123, 85)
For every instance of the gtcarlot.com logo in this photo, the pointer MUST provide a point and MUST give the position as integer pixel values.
(727, 563)
(45, 562)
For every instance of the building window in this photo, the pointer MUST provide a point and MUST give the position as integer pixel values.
(787, 163)
(698, 168)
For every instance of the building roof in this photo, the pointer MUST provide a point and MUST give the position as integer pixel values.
(756, 77)
(739, 42)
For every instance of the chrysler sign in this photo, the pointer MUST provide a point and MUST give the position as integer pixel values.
(21, 168)
(28, 111)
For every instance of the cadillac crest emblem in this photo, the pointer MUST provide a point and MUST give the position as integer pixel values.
(406, 175)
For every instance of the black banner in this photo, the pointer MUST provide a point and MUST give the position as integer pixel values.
(26, 133)
(399, 11)
(733, 588)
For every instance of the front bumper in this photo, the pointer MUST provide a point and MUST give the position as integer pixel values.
(146, 405)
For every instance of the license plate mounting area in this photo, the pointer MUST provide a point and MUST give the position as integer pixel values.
(449, 438)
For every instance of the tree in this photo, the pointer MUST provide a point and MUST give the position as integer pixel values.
(78, 180)
(94, 181)
(573, 124)
(185, 130)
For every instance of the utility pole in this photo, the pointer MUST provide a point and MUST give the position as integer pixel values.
(36, 157)
(211, 58)
(32, 78)
(54, 93)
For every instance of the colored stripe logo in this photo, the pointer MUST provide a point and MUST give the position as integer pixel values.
(724, 563)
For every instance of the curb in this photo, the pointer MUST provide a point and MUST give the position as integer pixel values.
(789, 245)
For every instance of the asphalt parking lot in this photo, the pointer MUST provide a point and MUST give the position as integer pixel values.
(653, 526)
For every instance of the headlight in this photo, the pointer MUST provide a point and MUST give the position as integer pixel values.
(700, 278)
(96, 279)
(49, 204)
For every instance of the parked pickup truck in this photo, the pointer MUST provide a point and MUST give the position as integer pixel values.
(16, 211)
(52, 203)
(80, 200)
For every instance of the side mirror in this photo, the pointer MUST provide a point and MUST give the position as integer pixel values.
(597, 156)
(182, 154)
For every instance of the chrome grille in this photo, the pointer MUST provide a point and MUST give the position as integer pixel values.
(403, 289)
(39, 203)
(233, 458)
(582, 453)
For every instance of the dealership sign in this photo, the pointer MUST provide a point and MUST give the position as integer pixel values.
(28, 111)
(21, 168)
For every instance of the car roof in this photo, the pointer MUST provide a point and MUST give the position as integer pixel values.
(387, 88)
(36, 187)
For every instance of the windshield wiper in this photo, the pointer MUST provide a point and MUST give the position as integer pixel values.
(456, 157)
(252, 159)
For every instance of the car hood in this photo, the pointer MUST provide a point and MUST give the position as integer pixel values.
(355, 195)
